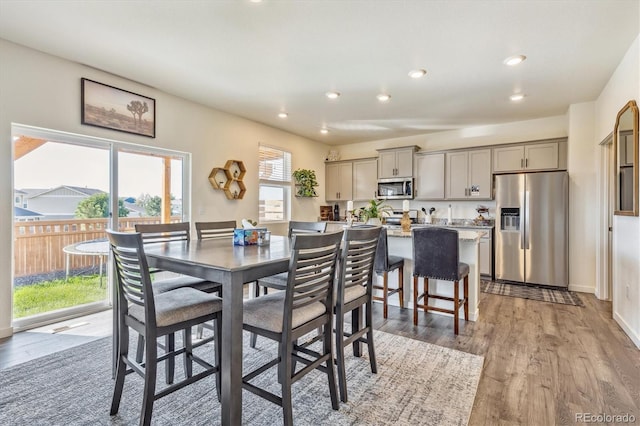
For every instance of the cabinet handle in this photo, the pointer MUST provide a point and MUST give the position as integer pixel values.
(521, 163)
(526, 163)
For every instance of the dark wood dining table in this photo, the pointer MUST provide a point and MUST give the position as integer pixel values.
(233, 266)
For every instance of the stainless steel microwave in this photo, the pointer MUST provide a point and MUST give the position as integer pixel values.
(395, 189)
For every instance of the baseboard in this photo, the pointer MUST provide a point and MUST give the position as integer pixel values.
(6, 332)
(635, 338)
(582, 288)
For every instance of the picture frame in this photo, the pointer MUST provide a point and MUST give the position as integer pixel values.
(117, 109)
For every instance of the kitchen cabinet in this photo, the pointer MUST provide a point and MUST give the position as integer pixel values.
(468, 175)
(429, 180)
(365, 179)
(526, 157)
(339, 181)
(396, 162)
(485, 256)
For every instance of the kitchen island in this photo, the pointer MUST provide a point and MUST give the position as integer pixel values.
(401, 244)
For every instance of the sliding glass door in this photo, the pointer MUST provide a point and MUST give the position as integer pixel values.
(67, 189)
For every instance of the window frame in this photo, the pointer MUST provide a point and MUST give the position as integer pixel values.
(284, 184)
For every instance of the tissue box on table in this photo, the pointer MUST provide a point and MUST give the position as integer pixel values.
(246, 237)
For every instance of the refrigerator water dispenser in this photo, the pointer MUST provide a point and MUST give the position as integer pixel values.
(510, 219)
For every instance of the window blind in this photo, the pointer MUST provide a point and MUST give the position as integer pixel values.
(274, 165)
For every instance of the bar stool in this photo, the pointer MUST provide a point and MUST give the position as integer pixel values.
(436, 255)
(382, 266)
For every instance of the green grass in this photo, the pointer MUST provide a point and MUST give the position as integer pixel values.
(57, 294)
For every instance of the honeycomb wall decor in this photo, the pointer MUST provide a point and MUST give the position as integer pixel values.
(229, 179)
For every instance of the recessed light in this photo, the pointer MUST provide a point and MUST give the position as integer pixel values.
(324, 130)
(417, 73)
(255, 1)
(514, 60)
(283, 115)
(383, 97)
(517, 97)
(332, 95)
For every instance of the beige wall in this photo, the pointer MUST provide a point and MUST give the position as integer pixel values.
(623, 86)
(40, 90)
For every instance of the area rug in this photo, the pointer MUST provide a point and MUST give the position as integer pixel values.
(534, 293)
(417, 383)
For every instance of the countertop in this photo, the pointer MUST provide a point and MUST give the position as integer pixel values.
(457, 223)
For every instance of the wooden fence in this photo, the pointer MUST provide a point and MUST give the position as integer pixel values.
(38, 245)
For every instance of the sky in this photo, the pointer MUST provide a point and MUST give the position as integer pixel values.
(54, 164)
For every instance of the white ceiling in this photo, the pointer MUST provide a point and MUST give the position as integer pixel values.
(257, 59)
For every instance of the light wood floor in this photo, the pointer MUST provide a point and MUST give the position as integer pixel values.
(544, 362)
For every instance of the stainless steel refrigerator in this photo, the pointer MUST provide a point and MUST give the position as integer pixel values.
(532, 230)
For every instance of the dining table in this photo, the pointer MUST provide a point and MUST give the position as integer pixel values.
(221, 261)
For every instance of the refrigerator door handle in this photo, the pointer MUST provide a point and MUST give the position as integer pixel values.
(527, 220)
(521, 220)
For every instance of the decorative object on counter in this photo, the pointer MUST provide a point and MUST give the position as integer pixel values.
(428, 219)
(374, 212)
(333, 155)
(229, 179)
(481, 210)
(326, 213)
(405, 222)
(405, 206)
(449, 219)
(306, 182)
(349, 213)
(336, 212)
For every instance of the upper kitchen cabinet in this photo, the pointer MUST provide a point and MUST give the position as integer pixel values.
(429, 176)
(396, 162)
(365, 179)
(530, 157)
(339, 181)
(468, 174)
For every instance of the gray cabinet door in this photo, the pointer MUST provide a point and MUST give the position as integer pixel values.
(365, 179)
(543, 156)
(457, 174)
(429, 177)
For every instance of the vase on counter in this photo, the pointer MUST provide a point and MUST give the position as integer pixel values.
(405, 222)
(375, 221)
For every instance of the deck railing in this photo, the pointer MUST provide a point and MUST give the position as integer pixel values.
(38, 244)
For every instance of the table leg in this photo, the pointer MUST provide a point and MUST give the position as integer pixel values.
(232, 349)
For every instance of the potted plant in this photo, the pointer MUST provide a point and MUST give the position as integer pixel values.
(306, 182)
(374, 212)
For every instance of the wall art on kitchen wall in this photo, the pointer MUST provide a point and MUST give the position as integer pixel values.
(116, 109)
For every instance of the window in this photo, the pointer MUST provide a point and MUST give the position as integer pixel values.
(274, 171)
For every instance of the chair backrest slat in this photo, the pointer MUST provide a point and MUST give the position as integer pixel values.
(164, 232)
(215, 230)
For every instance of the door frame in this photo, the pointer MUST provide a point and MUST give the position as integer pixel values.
(604, 235)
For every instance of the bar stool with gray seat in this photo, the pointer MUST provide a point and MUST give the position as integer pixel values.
(154, 315)
(436, 255)
(306, 304)
(383, 265)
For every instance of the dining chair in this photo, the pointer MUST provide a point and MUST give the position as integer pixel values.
(154, 315)
(215, 230)
(279, 281)
(436, 255)
(285, 316)
(354, 292)
(164, 233)
(384, 264)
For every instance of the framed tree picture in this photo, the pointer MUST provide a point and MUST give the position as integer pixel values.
(112, 108)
